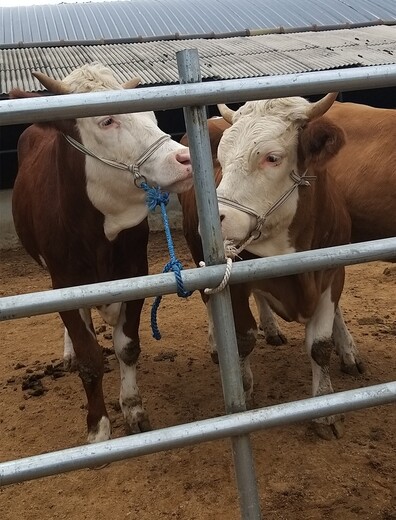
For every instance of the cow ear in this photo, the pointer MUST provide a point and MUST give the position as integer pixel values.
(320, 140)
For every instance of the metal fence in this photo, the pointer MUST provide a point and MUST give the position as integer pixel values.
(192, 94)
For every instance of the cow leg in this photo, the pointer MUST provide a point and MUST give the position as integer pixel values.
(127, 348)
(110, 313)
(246, 334)
(351, 362)
(89, 361)
(69, 356)
(268, 327)
(319, 343)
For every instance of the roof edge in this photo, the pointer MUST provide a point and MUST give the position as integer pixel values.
(211, 35)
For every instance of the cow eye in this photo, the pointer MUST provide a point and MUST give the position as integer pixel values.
(272, 158)
(106, 122)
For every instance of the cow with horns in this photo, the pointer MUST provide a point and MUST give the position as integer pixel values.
(367, 181)
(79, 210)
(275, 197)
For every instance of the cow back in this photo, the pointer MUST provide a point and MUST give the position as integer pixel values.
(365, 168)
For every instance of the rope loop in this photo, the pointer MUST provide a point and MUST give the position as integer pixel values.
(224, 282)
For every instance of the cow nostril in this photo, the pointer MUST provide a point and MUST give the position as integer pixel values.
(183, 158)
(222, 217)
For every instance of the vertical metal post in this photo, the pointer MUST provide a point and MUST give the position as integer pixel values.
(220, 304)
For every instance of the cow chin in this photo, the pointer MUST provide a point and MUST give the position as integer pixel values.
(179, 186)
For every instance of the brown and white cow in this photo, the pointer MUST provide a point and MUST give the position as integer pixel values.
(270, 150)
(85, 220)
(364, 169)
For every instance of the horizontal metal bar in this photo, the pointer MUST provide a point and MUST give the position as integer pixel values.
(43, 302)
(193, 433)
(47, 108)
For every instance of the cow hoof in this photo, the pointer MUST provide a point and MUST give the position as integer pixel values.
(141, 424)
(329, 428)
(275, 340)
(353, 369)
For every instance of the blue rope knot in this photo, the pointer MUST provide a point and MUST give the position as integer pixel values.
(155, 197)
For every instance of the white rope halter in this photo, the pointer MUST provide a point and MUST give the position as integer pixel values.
(133, 168)
(298, 180)
(232, 251)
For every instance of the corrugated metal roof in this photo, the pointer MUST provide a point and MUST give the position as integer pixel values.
(227, 58)
(144, 20)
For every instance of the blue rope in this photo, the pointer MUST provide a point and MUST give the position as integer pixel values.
(156, 197)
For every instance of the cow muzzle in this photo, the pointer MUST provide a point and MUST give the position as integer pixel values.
(239, 224)
(237, 245)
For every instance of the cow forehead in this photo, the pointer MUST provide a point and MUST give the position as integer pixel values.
(91, 78)
(253, 132)
(288, 108)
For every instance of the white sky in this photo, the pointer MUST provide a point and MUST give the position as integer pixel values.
(15, 3)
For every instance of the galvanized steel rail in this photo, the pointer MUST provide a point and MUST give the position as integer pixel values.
(182, 435)
(46, 108)
(55, 300)
(236, 425)
(219, 305)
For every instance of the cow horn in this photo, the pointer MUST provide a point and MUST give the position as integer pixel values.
(132, 83)
(322, 106)
(226, 112)
(52, 85)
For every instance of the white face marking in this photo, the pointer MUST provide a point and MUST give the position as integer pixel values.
(113, 191)
(124, 138)
(257, 154)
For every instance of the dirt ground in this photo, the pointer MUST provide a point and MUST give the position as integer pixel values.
(300, 476)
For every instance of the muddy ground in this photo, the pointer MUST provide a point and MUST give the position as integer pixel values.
(300, 476)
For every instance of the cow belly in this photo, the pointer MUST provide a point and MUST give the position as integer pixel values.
(276, 305)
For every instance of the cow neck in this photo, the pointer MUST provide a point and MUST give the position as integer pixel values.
(298, 180)
(132, 168)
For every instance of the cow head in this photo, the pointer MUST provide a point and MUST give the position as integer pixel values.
(122, 138)
(260, 155)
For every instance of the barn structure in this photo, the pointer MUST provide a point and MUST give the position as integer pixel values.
(235, 39)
